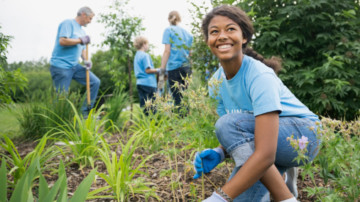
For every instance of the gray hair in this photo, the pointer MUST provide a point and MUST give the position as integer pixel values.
(85, 10)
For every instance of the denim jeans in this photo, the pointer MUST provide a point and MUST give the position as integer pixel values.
(62, 78)
(235, 133)
(145, 93)
(178, 75)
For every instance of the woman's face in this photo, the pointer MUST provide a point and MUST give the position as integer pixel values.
(225, 38)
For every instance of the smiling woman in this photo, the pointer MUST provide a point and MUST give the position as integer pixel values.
(226, 40)
(257, 115)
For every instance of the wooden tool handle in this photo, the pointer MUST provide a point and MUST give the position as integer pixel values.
(87, 76)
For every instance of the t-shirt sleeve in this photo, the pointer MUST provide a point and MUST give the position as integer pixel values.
(265, 94)
(166, 37)
(147, 62)
(65, 29)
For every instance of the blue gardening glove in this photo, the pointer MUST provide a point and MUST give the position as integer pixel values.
(85, 40)
(215, 197)
(207, 160)
(88, 64)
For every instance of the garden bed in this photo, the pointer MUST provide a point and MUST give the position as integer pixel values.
(171, 179)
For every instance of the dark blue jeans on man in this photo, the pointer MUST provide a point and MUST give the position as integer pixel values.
(62, 78)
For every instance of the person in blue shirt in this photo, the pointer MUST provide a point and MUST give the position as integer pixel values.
(258, 114)
(69, 47)
(176, 54)
(144, 72)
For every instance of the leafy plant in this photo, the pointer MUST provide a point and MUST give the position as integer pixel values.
(37, 117)
(151, 128)
(9, 80)
(19, 165)
(115, 105)
(121, 29)
(81, 136)
(199, 125)
(32, 124)
(23, 190)
(337, 163)
(122, 172)
(202, 59)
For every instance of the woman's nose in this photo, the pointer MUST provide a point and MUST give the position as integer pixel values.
(222, 35)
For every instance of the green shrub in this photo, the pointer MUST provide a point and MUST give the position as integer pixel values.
(319, 42)
(115, 105)
(36, 118)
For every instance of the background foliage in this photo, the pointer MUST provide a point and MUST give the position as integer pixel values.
(319, 42)
(9, 80)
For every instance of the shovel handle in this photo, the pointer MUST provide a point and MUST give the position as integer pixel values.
(87, 76)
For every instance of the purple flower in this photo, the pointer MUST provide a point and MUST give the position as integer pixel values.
(303, 142)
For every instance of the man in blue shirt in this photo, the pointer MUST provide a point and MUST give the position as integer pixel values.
(70, 44)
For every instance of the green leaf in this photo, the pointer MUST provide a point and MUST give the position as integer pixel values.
(22, 188)
(84, 187)
(43, 188)
(63, 187)
(3, 181)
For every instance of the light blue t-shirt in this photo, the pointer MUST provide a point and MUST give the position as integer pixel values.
(257, 90)
(67, 56)
(180, 41)
(142, 61)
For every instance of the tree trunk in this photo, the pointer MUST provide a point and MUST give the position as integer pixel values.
(130, 86)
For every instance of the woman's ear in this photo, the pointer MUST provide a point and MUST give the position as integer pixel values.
(244, 41)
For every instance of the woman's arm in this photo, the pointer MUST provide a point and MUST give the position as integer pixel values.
(165, 56)
(261, 164)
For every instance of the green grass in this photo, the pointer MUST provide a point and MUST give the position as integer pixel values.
(9, 125)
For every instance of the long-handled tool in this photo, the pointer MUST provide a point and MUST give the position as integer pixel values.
(161, 83)
(87, 77)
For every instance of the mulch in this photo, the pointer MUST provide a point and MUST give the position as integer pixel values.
(175, 185)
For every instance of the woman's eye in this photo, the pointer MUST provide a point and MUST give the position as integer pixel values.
(213, 31)
(231, 29)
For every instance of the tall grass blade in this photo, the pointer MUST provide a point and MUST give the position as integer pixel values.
(22, 188)
(43, 188)
(3, 181)
(83, 189)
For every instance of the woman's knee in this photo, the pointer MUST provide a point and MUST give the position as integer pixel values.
(241, 122)
(234, 129)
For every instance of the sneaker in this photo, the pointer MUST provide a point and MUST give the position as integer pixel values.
(291, 176)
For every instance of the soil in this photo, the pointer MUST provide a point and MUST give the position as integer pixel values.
(188, 189)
